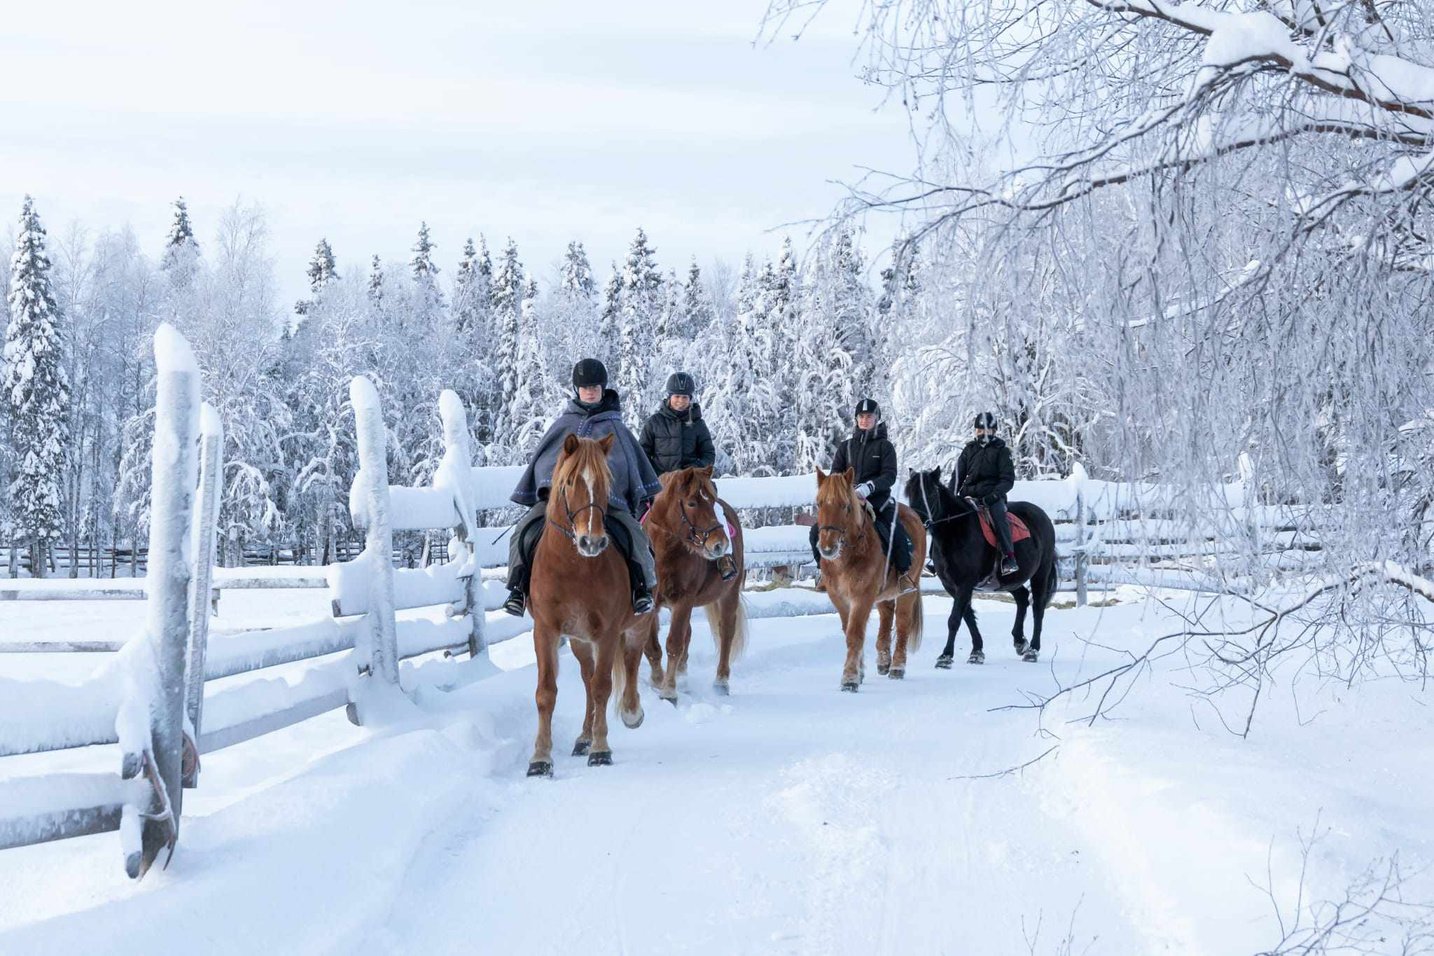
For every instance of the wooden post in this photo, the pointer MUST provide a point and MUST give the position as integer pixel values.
(202, 598)
(369, 507)
(1081, 562)
(159, 758)
(457, 469)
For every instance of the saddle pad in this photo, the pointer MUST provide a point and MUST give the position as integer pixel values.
(1019, 531)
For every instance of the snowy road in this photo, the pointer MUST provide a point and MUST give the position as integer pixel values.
(788, 818)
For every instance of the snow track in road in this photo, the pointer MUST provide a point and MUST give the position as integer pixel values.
(787, 818)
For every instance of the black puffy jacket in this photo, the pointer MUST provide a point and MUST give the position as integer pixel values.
(984, 471)
(676, 440)
(873, 458)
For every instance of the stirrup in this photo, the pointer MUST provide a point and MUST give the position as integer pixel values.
(727, 567)
(1009, 565)
(641, 602)
(517, 602)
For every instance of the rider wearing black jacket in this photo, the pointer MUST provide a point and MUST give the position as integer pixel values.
(872, 456)
(675, 436)
(986, 473)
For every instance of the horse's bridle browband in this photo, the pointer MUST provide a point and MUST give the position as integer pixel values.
(571, 531)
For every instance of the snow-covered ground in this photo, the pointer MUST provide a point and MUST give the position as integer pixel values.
(787, 818)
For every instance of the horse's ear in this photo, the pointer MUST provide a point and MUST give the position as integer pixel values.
(821, 477)
(935, 473)
(607, 441)
(706, 472)
(570, 444)
(666, 479)
(850, 476)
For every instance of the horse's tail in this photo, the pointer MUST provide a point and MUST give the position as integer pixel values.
(1055, 579)
(918, 620)
(739, 625)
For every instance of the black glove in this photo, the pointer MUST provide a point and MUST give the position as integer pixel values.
(991, 499)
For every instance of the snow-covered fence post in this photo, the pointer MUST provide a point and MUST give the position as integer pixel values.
(206, 524)
(456, 470)
(369, 508)
(150, 724)
(1081, 562)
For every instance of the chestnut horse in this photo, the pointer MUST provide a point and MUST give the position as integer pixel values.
(688, 538)
(579, 588)
(858, 576)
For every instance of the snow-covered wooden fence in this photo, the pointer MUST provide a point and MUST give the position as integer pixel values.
(157, 700)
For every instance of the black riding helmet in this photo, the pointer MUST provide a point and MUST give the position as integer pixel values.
(986, 420)
(868, 406)
(589, 372)
(680, 383)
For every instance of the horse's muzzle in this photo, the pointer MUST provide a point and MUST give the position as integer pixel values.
(591, 545)
(718, 550)
(830, 554)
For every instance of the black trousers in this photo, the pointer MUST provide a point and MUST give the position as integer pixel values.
(1001, 522)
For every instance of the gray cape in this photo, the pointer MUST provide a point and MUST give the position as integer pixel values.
(633, 478)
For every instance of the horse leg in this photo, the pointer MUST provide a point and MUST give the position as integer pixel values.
(968, 614)
(679, 635)
(653, 649)
(953, 624)
(629, 705)
(583, 651)
(1022, 595)
(857, 615)
(545, 643)
(601, 691)
(885, 612)
(1040, 597)
(729, 624)
(908, 632)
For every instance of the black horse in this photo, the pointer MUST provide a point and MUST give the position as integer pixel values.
(965, 561)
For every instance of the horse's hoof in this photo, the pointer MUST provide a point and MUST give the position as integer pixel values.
(896, 673)
(671, 700)
(850, 686)
(882, 669)
(600, 758)
(631, 721)
(1021, 645)
(1030, 656)
(944, 662)
(977, 657)
(581, 748)
(721, 689)
(540, 768)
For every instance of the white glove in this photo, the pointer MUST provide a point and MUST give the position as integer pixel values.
(865, 489)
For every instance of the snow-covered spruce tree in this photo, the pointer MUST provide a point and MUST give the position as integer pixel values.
(896, 306)
(528, 409)
(508, 281)
(827, 380)
(322, 270)
(37, 393)
(475, 380)
(642, 302)
(725, 393)
(375, 284)
(429, 297)
(181, 249)
(610, 323)
(697, 310)
(572, 326)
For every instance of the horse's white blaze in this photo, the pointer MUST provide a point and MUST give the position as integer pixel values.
(592, 499)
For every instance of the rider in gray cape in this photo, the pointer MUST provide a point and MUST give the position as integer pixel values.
(594, 411)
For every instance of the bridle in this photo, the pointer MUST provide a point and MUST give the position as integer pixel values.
(570, 531)
(695, 535)
(840, 531)
(931, 519)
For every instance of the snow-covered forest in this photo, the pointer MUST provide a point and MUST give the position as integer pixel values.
(781, 346)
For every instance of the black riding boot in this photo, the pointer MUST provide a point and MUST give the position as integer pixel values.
(1001, 521)
(517, 588)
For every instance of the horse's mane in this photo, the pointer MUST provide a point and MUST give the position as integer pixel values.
(588, 457)
(691, 480)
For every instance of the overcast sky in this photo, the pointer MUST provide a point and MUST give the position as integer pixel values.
(546, 120)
